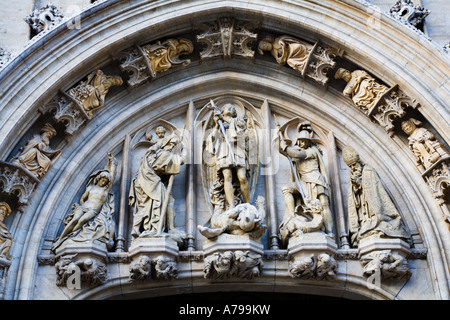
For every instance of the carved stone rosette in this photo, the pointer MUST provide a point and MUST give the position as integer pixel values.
(312, 256)
(227, 38)
(232, 256)
(143, 62)
(18, 181)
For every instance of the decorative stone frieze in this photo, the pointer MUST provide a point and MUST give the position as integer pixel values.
(45, 18)
(227, 38)
(16, 180)
(144, 62)
(409, 13)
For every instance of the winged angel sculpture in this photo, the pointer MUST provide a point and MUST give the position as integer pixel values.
(230, 166)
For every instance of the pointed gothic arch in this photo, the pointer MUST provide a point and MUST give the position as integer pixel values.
(36, 76)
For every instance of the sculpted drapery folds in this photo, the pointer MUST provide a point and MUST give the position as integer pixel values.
(230, 169)
(37, 156)
(91, 93)
(307, 196)
(92, 219)
(150, 192)
(5, 237)
(370, 210)
(288, 50)
(423, 143)
(361, 87)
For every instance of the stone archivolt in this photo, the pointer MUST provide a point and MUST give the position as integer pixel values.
(233, 247)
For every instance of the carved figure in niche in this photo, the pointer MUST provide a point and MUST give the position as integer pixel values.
(309, 182)
(423, 143)
(361, 87)
(150, 191)
(92, 92)
(37, 156)
(5, 237)
(230, 168)
(387, 264)
(370, 210)
(162, 56)
(92, 218)
(288, 50)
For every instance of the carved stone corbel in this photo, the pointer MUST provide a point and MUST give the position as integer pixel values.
(143, 62)
(227, 38)
(18, 181)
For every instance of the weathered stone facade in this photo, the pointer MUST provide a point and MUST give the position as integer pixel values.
(145, 188)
